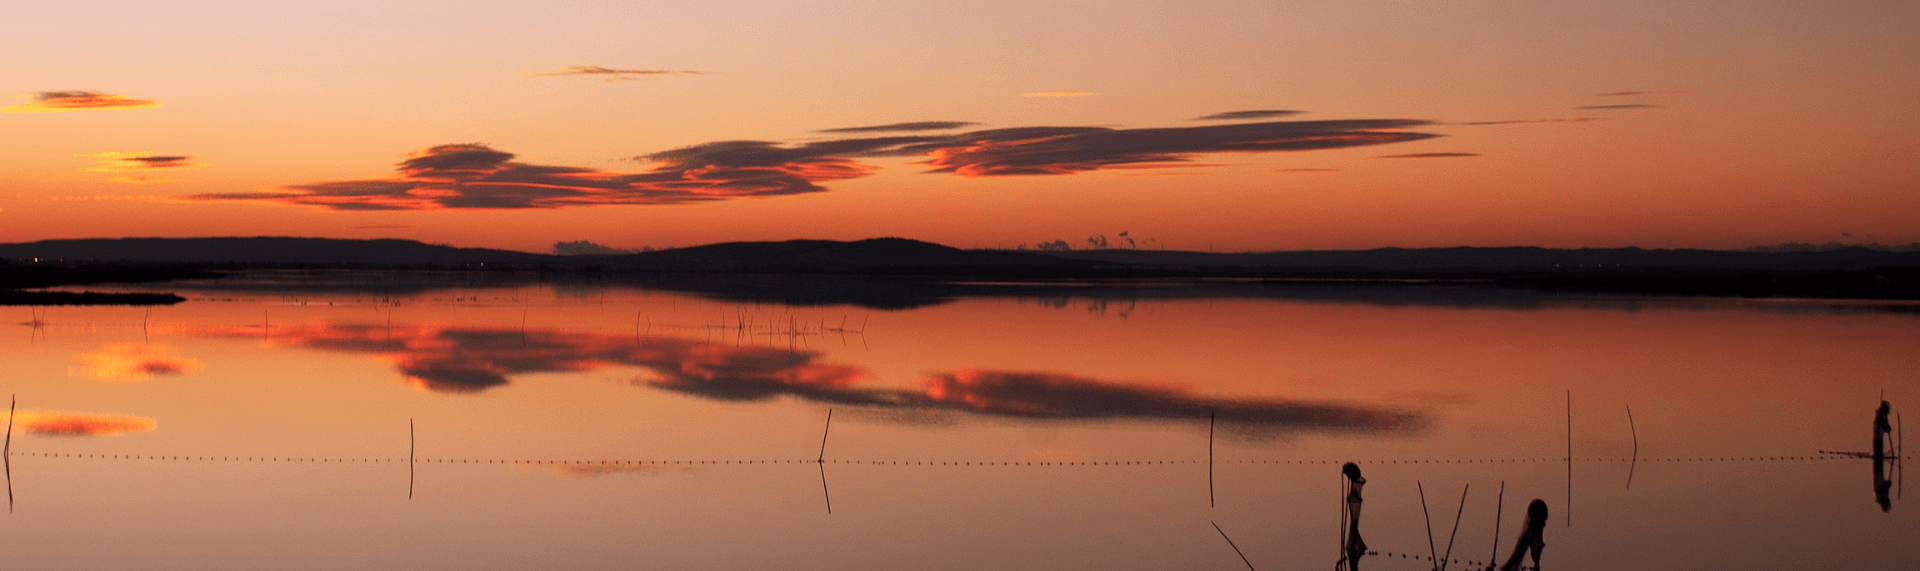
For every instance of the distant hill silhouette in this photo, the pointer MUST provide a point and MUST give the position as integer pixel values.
(1467, 259)
(824, 271)
(910, 257)
(878, 255)
(263, 250)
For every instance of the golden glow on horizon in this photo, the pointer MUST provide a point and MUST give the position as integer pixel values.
(1059, 94)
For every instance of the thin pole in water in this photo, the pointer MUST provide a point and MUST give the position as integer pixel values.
(822, 462)
(1432, 553)
(6, 454)
(1636, 447)
(410, 462)
(1210, 502)
(1499, 509)
(1236, 548)
(823, 488)
(823, 437)
(1569, 516)
(1456, 526)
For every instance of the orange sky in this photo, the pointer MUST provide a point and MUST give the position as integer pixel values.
(1217, 124)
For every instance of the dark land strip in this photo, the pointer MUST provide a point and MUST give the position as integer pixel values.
(893, 273)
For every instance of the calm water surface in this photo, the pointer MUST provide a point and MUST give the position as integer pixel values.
(609, 427)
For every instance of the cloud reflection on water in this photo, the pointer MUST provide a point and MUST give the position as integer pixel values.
(472, 360)
(55, 423)
(134, 362)
(1058, 395)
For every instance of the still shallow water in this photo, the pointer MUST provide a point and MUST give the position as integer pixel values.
(610, 427)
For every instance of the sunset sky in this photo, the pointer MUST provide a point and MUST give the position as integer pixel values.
(1208, 124)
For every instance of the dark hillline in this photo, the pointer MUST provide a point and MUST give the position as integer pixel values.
(1841, 273)
(278, 251)
(881, 253)
(1526, 258)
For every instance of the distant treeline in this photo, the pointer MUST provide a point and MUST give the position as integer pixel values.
(904, 256)
(1893, 282)
(922, 271)
(17, 297)
(17, 281)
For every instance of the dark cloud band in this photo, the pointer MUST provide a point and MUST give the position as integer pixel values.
(1524, 121)
(1250, 114)
(894, 127)
(59, 101)
(470, 176)
(473, 176)
(1431, 154)
(117, 161)
(1067, 150)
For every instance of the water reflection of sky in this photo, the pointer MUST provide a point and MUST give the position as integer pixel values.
(980, 432)
(457, 359)
(57, 423)
(135, 362)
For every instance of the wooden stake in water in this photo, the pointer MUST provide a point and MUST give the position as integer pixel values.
(409, 458)
(1431, 552)
(1236, 548)
(1569, 516)
(823, 437)
(822, 462)
(1456, 527)
(1499, 506)
(6, 454)
(1636, 447)
(1210, 502)
(823, 488)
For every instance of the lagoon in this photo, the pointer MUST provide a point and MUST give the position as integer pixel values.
(387, 422)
